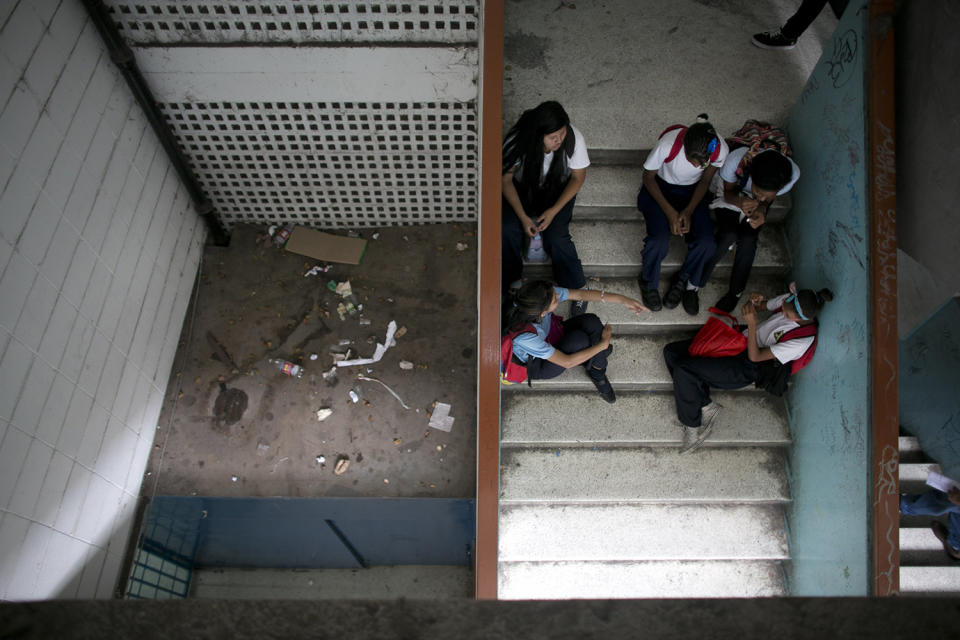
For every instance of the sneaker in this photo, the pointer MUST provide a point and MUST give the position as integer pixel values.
(691, 301)
(942, 533)
(675, 294)
(773, 40)
(727, 303)
(605, 388)
(694, 437)
(649, 295)
(578, 308)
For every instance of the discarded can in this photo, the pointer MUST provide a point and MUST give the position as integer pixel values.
(287, 367)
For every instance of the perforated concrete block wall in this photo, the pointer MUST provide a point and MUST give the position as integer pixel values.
(99, 248)
(316, 128)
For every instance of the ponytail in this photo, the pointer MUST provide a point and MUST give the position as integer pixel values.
(524, 305)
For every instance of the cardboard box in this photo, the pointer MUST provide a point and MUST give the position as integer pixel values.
(326, 246)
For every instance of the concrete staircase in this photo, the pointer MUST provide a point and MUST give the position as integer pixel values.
(925, 570)
(595, 500)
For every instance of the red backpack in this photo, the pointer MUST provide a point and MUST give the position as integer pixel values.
(802, 331)
(678, 143)
(512, 371)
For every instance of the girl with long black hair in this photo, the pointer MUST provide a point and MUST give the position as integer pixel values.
(544, 166)
(554, 347)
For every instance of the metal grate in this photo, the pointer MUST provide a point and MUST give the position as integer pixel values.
(163, 562)
(294, 21)
(332, 164)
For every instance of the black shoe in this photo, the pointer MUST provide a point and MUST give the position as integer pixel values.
(578, 308)
(605, 388)
(650, 296)
(727, 303)
(691, 301)
(675, 294)
(773, 40)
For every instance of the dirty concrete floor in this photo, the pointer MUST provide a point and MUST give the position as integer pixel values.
(254, 303)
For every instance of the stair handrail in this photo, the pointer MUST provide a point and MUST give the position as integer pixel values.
(488, 302)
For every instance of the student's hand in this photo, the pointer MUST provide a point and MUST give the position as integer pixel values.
(758, 300)
(545, 219)
(954, 495)
(749, 313)
(529, 226)
(634, 305)
(683, 222)
(756, 218)
(747, 204)
(605, 336)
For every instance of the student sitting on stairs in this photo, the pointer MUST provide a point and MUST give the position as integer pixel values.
(557, 346)
(768, 361)
(676, 177)
(544, 165)
(745, 187)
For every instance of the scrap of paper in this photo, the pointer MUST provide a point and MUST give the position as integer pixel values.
(441, 418)
(378, 352)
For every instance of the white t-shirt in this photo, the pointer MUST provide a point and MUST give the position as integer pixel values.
(728, 172)
(579, 159)
(526, 345)
(678, 171)
(771, 329)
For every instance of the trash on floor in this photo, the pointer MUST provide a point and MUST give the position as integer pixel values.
(286, 367)
(323, 413)
(279, 234)
(317, 270)
(262, 448)
(402, 331)
(392, 392)
(406, 365)
(342, 289)
(378, 352)
(461, 246)
(353, 396)
(330, 377)
(326, 246)
(343, 462)
(441, 418)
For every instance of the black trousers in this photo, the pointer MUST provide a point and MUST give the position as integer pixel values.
(806, 13)
(567, 269)
(694, 377)
(579, 333)
(731, 230)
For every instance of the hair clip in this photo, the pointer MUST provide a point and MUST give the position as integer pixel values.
(712, 146)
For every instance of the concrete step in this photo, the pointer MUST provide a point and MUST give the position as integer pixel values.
(654, 579)
(583, 419)
(919, 547)
(910, 450)
(636, 364)
(610, 193)
(913, 476)
(943, 581)
(625, 321)
(641, 532)
(612, 249)
(643, 475)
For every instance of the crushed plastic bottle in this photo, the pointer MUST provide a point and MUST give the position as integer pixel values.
(536, 252)
(287, 367)
(280, 234)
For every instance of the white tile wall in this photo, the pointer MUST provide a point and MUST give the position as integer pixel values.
(99, 248)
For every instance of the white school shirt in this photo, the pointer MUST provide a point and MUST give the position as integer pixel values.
(678, 171)
(728, 173)
(771, 329)
(579, 159)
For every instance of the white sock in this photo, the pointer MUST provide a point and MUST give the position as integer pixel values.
(692, 287)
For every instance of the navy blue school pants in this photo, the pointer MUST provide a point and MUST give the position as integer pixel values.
(693, 377)
(567, 270)
(579, 333)
(700, 242)
(731, 230)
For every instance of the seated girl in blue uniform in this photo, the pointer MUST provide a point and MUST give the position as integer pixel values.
(555, 346)
(776, 348)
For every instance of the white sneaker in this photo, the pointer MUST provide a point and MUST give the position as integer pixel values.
(693, 439)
